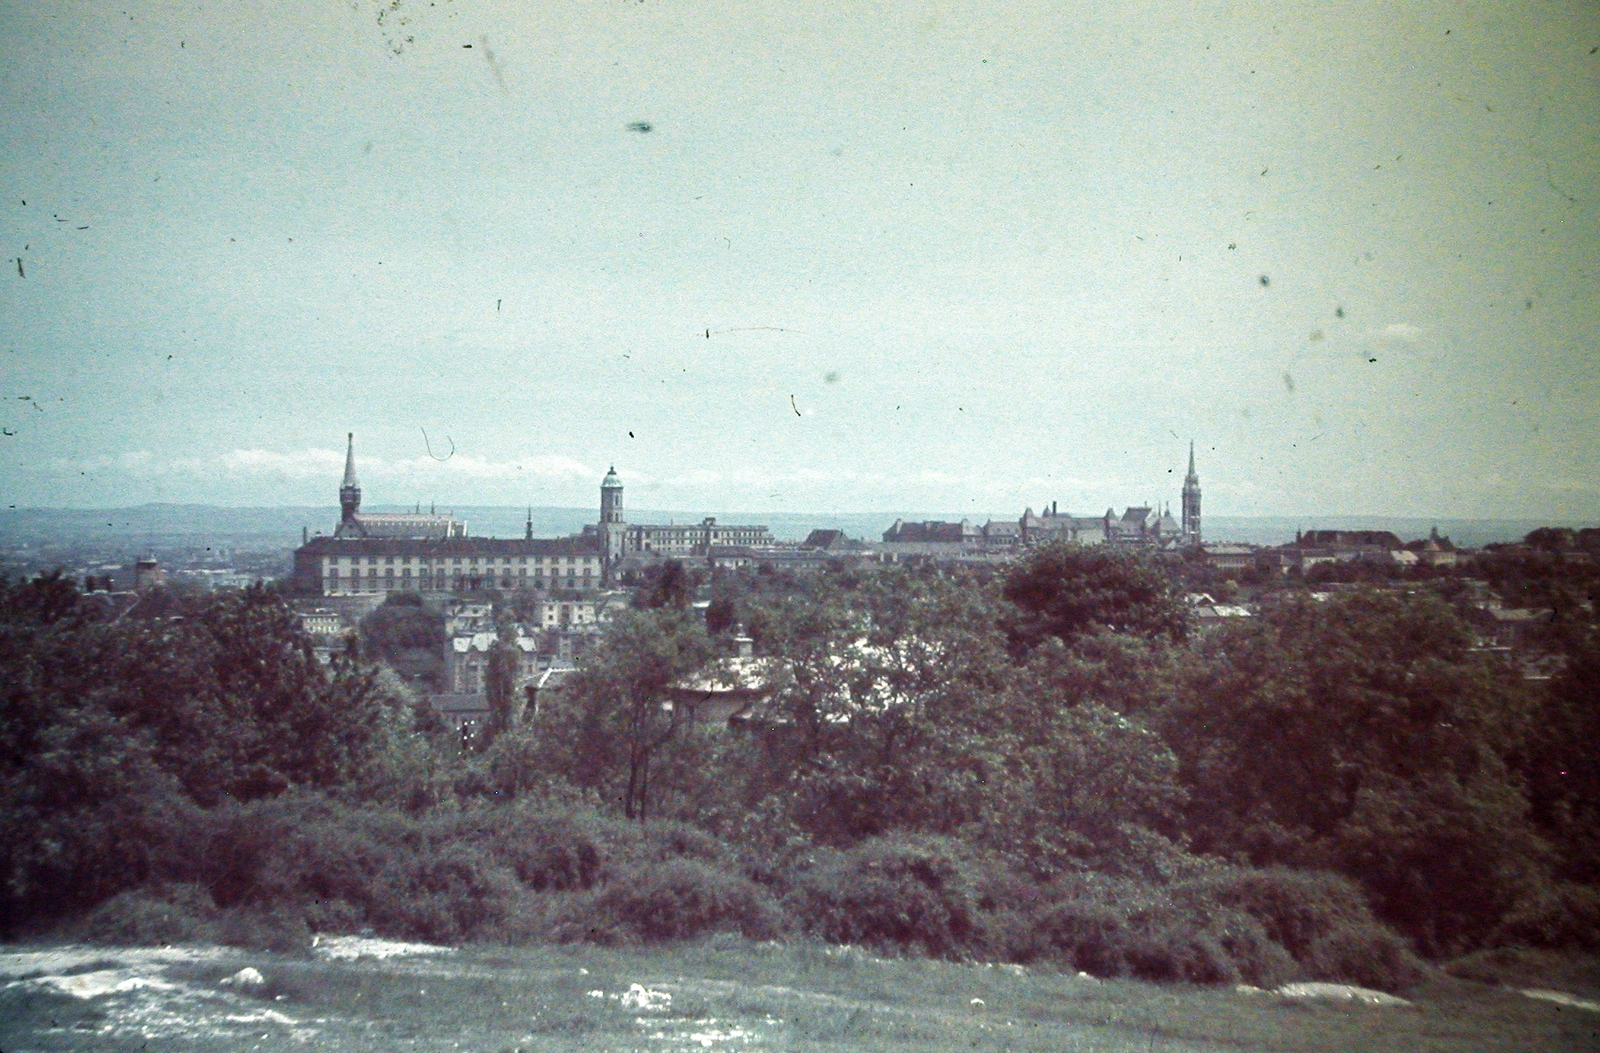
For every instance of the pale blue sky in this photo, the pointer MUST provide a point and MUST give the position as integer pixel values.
(951, 256)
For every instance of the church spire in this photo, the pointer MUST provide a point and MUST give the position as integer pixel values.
(1191, 502)
(350, 460)
(349, 492)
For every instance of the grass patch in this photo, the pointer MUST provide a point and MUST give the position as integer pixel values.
(797, 997)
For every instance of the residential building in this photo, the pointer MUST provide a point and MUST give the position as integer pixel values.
(467, 662)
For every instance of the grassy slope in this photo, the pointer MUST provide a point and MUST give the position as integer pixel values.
(798, 998)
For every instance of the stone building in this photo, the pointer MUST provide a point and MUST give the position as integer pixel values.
(354, 524)
(622, 542)
(375, 554)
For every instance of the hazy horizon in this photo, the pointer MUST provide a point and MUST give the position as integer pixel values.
(139, 524)
(786, 256)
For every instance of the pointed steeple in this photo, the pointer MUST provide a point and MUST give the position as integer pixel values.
(1191, 503)
(349, 493)
(350, 461)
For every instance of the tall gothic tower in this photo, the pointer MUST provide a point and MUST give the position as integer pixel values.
(349, 491)
(1191, 503)
(613, 528)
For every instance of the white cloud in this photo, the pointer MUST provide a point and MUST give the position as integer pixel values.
(303, 464)
(466, 466)
(1401, 333)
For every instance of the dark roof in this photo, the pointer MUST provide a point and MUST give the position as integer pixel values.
(1349, 539)
(932, 530)
(825, 539)
(453, 546)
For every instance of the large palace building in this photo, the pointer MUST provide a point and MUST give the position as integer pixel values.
(370, 553)
(376, 553)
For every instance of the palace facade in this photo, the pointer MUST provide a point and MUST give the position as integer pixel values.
(380, 553)
(376, 553)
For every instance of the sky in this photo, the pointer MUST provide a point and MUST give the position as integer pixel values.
(957, 257)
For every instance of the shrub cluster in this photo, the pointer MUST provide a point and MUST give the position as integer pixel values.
(273, 872)
(937, 773)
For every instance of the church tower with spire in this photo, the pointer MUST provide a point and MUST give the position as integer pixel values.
(613, 527)
(349, 493)
(1191, 504)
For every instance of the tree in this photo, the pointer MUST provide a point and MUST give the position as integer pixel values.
(722, 614)
(1560, 763)
(1068, 590)
(614, 719)
(1363, 735)
(115, 733)
(399, 623)
(499, 684)
(884, 715)
(669, 585)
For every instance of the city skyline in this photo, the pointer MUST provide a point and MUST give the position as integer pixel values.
(779, 260)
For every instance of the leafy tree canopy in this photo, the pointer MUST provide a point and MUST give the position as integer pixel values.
(1068, 591)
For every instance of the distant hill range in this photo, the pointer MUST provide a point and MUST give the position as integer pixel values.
(280, 528)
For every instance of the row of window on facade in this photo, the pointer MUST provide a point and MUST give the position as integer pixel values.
(473, 561)
(460, 583)
(444, 572)
(487, 572)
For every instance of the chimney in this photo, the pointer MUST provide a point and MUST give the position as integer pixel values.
(747, 646)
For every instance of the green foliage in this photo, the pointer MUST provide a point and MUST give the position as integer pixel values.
(680, 898)
(499, 685)
(1295, 907)
(669, 585)
(1066, 591)
(114, 734)
(1039, 767)
(897, 893)
(722, 614)
(1084, 787)
(1367, 955)
(179, 913)
(1559, 914)
(1560, 763)
(610, 726)
(401, 623)
(1361, 734)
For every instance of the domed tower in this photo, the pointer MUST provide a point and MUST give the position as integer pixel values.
(613, 528)
(1191, 503)
(349, 492)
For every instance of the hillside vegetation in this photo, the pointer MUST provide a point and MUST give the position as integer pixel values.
(1038, 767)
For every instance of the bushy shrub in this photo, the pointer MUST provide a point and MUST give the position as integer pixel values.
(1321, 919)
(1295, 907)
(898, 893)
(1220, 945)
(419, 878)
(1366, 954)
(669, 838)
(681, 898)
(1558, 915)
(560, 851)
(453, 893)
(185, 913)
(1091, 937)
(145, 916)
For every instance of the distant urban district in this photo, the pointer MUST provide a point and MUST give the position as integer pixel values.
(1103, 743)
